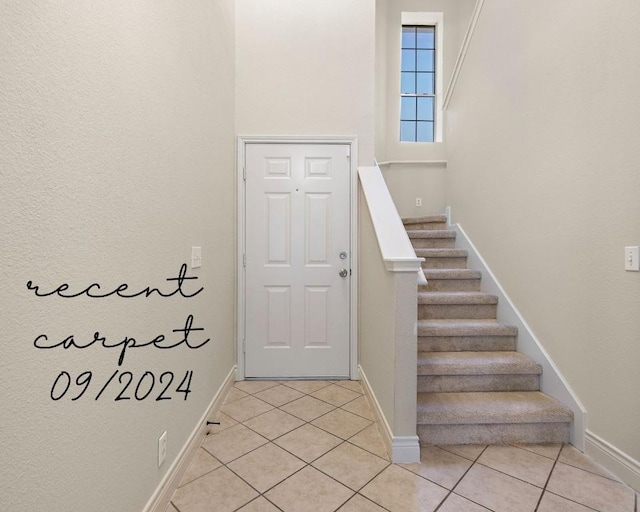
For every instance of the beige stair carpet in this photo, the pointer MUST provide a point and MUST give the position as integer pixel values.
(473, 387)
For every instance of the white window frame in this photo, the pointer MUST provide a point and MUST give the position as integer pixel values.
(434, 19)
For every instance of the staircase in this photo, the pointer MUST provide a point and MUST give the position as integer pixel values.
(473, 387)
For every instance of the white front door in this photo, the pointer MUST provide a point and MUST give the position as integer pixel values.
(297, 275)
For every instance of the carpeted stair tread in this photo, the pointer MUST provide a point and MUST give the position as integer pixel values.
(465, 328)
(451, 273)
(431, 233)
(441, 253)
(490, 408)
(476, 363)
(425, 219)
(466, 343)
(456, 298)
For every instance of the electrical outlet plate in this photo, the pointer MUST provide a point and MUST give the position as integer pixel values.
(632, 258)
(418, 201)
(196, 257)
(162, 448)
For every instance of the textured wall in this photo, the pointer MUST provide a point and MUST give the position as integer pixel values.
(543, 151)
(116, 156)
(306, 68)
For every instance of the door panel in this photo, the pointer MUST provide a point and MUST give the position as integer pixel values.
(297, 224)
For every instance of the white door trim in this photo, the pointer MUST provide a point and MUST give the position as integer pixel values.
(242, 142)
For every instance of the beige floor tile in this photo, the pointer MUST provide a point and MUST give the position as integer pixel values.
(307, 408)
(234, 394)
(444, 468)
(306, 386)
(359, 406)
(353, 385)
(254, 386)
(335, 395)
(552, 503)
(546, 450)
(224, 420)
(360, 504)
(468, 451)
(498, 492)
(279, 395)
(245, 408)
(170, 508)
(350, 465)
(522, 464)
(273, 423)
(370, 439)
(308, 442)
(574, 457)
(400, 490)
(202, 463)
(341, 423)
(265, 467)
(455, 503)
(260, 504)
(309, 491)
(219, 490)
(232, 443)
(591, 490)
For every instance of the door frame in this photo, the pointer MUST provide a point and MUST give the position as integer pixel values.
(241, 144)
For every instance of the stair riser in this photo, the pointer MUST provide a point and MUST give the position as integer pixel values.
(433, 243)
(507, 433)
(460, 311)
(425, 225)
(451, 285)
(466, 343)
(445, 262)
(462, 383)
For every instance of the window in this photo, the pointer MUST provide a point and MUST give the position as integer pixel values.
(420, 77)
(417, 84)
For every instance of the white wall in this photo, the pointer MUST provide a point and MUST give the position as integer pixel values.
(407, 182)
(543, 151)
(116, 156)
(306, 68)
(376, 316)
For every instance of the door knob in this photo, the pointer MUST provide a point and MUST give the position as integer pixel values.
(343, 273)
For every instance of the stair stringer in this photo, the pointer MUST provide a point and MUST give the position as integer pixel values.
(552, 382)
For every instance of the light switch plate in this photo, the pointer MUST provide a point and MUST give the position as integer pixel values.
(632, 258)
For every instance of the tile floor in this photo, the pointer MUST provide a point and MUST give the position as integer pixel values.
(312, 446)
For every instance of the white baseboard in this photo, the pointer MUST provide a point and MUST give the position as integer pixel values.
(160, 498)
(619, 463)
(403, 449)
(551, 381)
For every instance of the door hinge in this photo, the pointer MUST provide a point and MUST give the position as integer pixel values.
(244, 260)
(348, 151)
(244, 173)
(244, 345)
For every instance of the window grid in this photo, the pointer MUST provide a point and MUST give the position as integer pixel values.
(418, 69)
